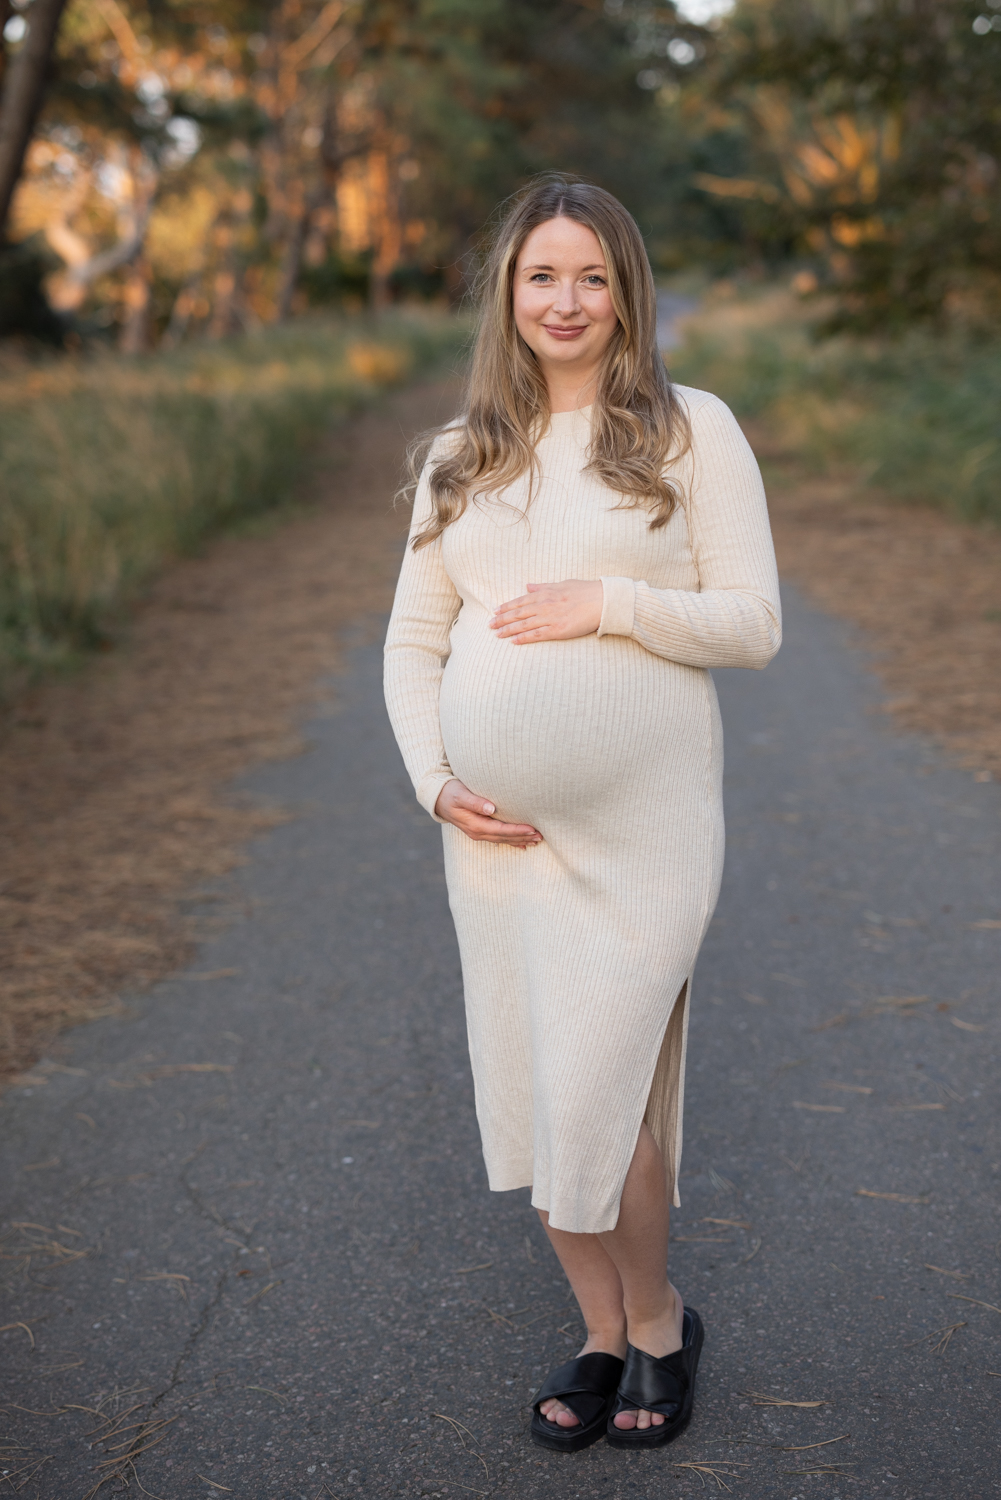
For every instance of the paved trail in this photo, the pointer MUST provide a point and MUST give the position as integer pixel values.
(273, 1162)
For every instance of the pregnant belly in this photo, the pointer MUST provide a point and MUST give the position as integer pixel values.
(572, 728)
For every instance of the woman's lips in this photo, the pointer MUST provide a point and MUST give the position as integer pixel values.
(558, 331)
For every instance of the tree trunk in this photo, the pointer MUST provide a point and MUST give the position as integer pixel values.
(135, 334)
(292, 259)
(24, 86)
(6, 11)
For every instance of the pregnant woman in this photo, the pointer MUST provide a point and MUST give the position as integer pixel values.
(587, 540)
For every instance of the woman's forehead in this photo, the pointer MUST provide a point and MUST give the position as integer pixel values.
(559, 241)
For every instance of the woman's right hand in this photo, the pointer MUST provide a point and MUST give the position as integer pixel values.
(474, 815)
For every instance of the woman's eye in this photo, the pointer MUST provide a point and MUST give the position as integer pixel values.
(595, 281)
(540, 276)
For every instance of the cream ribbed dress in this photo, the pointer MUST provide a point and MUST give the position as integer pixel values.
(577, 954)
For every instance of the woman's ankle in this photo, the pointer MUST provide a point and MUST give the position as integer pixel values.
(610, 1340)
(656, 1327)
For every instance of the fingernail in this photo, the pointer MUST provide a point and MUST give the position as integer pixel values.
(489, 809)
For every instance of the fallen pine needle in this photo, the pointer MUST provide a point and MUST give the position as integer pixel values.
(891, 1197)
(466, 1270)
(827, 1109)
(975, 1300)
(886, 1006)
(755, 1247)
(995, 1372)
(263, 1292)
(899, 1108)
(213, 1484)
(173, 1278)
(267, 1392)
(6, 1326)
(848, 1088)
(134, 1453)
(763, 1400)
(990, 926)
(460, 1428)
(549, 1313)
(820, 1469)
(733, 1223)
(711, 1469)
(966, 1025)
(846, 1015)
(942, 1334)
(825, 1444)
(959, 1275)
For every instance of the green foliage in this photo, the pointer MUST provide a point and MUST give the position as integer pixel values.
(876, 128)
(109, 467)
(919, 416)
(488, 92)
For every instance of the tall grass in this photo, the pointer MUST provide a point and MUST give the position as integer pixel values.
(920, 416)
(109, 467)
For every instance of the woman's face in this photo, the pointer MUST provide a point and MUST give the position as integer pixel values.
(562, 306)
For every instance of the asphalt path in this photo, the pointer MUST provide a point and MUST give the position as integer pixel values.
(248, 1244)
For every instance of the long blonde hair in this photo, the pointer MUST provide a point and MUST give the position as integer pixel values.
(638, 423)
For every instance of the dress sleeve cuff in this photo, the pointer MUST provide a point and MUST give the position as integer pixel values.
(618, 610)
(430, 790)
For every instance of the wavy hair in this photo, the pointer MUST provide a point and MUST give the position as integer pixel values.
(638, 423)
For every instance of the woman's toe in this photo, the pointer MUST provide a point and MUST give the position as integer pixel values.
(554, 1411)
(626, 1420)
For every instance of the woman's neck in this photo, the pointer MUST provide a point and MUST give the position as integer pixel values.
(568, 391)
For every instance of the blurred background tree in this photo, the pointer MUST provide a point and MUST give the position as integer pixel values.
(875, 126)
(198, 167)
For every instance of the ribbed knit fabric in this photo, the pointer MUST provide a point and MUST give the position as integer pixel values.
(577, 955)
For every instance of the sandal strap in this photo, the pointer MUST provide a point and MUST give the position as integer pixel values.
(590, 1375)
(650, 1384)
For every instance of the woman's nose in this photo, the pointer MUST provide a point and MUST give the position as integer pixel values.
(566, 299)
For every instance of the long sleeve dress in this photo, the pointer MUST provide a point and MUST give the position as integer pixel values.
(577, 954)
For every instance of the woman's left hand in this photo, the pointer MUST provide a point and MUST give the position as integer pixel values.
(551, 612)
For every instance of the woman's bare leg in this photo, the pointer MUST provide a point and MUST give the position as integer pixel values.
(597, 1286)
(620, 1277)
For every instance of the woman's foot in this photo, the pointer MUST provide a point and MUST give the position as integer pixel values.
(659, 1336)
(554, 1411)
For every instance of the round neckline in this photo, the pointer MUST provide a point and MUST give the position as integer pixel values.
(566, 418)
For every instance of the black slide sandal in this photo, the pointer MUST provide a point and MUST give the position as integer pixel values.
(664, 1385)
(587, 1387)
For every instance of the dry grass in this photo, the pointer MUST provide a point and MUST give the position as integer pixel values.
(879, 457)
(926, 587)
(115, 781)
(109, 468)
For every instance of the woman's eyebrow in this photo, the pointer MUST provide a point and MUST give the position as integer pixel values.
(584, 269)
